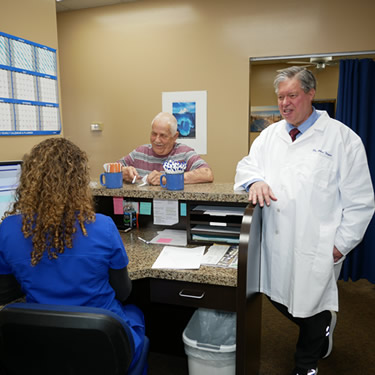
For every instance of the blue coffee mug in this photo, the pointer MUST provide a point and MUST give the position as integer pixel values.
(111, 180)
(175, 181)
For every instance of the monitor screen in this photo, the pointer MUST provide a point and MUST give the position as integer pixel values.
(9, 177)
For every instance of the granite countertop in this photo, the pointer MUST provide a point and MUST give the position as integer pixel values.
(142, 256)
(214, 192)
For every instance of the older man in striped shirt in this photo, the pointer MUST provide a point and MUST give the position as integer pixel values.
(147, 160)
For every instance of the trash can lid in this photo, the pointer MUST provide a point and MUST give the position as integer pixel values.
(206, 346)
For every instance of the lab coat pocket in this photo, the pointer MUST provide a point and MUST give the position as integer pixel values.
(323, 262)
(323, 265)
(317, 170)
(337, 266)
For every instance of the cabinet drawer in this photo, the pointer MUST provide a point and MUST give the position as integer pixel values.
(193, 294)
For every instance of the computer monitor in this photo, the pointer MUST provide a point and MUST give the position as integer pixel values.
(10, 172)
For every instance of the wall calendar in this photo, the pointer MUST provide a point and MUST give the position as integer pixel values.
(28, 88)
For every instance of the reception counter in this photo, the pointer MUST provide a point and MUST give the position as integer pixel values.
(212, 192)
(168, 297)
(208, 212)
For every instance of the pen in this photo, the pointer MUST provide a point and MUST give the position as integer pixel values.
(140, 238)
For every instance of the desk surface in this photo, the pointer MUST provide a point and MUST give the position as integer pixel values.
(212, 192)
(142, 256)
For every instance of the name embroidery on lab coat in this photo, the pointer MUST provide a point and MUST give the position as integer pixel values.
(325, 153)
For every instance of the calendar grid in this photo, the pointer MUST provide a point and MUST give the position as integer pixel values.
(28, 88)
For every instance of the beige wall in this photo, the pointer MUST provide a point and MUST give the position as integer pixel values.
(34, 20)
(116, 61)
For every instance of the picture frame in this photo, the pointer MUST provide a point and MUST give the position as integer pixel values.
(190, 110)
(263, 116)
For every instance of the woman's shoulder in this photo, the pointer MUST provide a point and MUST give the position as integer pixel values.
(11, 220)
(11, 226)
(102, 220)
(102, 217)
(103, 227)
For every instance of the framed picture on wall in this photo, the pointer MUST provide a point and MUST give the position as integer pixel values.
(262, 116)
(190, 110)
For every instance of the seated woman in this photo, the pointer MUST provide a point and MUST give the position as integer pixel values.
(58, 249)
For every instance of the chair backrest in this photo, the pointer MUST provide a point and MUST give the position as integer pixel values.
(50, 339)
(10, 289)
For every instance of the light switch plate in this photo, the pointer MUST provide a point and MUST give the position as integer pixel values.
(96, 127)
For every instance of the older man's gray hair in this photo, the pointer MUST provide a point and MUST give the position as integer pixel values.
(167, 118)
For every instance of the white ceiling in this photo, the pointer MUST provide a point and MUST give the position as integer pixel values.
(65, 5)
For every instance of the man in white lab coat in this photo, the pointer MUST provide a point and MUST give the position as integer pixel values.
(318, 200)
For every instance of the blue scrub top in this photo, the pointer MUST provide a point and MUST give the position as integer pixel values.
(79, 276)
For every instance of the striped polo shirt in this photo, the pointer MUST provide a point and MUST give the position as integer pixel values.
(145, 160)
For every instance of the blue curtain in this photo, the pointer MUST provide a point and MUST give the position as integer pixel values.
(356, 108)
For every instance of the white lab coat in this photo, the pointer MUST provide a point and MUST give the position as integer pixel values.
(324, 198)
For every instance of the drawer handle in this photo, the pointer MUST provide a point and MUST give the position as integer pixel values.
(183, 294)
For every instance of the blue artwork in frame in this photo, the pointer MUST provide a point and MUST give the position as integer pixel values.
(190, 109)
(185, 113)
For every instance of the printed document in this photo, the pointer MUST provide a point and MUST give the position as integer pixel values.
(179, 258)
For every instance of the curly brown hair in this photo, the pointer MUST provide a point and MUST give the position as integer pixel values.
(53, 196)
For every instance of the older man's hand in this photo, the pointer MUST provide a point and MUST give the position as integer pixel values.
(128, 174)
(260, 192)
(154, 178)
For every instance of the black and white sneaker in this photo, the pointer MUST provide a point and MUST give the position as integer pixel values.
(303, 371)
(329, 335)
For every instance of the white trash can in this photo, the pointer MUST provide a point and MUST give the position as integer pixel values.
(210, 343)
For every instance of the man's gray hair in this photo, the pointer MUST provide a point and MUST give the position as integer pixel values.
(167, 118)
(305, 76)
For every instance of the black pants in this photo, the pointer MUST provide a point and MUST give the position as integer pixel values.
(312, 336)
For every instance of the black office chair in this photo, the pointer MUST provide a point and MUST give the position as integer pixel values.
(10, 289)
(67, 340)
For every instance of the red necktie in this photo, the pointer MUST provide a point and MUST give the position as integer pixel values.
(293, 134)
